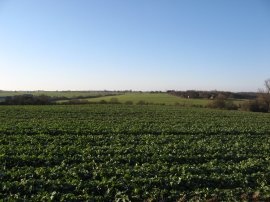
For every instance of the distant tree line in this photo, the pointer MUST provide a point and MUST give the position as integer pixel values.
(256, 102)
(27, 99)
(111, 101)
(262, 102)
(212, 94)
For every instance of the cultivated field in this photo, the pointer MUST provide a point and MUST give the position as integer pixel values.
(134, 98)
(153, 98)
(119, 152)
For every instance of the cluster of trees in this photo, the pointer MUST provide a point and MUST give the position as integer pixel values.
(28, 99)
(260, 104)
(221, 102)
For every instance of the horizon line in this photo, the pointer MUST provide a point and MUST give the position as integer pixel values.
(129, 90)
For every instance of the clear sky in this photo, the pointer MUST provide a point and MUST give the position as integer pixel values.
(134, 44)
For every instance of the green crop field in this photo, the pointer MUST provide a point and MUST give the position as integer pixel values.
(151, 98)
(122, 97)
(155, 98)
(133, 153)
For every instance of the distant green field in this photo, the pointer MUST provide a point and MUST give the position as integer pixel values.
(68, 94)
(134, 97)
(155, 98)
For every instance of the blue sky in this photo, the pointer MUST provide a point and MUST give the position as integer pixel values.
(134, 44)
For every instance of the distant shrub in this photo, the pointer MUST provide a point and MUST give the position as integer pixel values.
(254, 106)
(114, 101)
(230, 105)
(197, 105)
(141, 102)
(76, 101)
(218, 103)
(180, 104)
(129, 102)
(221, 103)
(103, 102)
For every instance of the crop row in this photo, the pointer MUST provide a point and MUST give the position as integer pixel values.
(99, 119)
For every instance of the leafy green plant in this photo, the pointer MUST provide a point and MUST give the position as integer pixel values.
(133, 153)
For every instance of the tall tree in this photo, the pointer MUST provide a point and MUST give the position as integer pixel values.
(264, 95)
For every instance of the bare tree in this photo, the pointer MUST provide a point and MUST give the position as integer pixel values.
(267, 86)
(264, 95)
